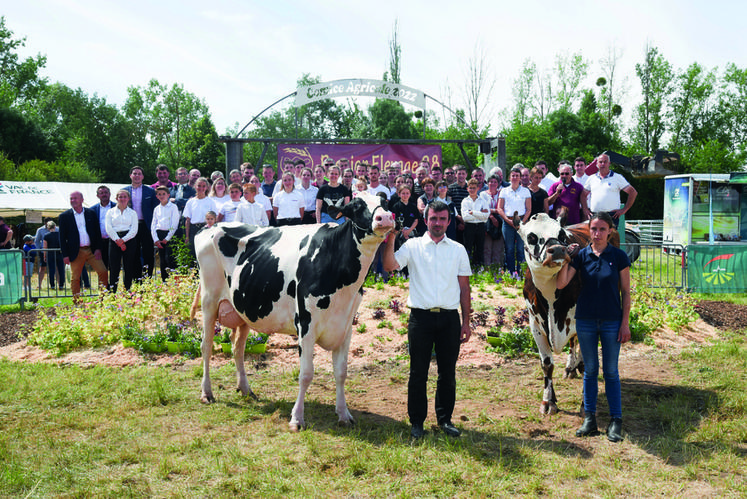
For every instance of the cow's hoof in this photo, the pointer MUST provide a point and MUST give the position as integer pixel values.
(570, 374)
(548, 408)
(207, 398)
(346, 424)
(249, 393)
(295, 427)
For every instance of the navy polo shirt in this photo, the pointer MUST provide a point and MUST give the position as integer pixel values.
(600, 280)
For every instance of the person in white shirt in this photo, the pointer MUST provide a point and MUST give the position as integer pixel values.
(514, 200)
(288, 203)
(439, 285)
(374, 186)
(263, 200)
(122, 227)
(603, 189)
(579, 165)
(195, 211)
(227, 212)
(309, 192)
(475, 212)
(251, 211)
(288, 166)
(164, 225)
(219, 193)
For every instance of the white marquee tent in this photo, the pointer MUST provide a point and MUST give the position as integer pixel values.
(45, 199)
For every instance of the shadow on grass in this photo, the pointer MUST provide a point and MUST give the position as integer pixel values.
(661, 419)
(380, 430)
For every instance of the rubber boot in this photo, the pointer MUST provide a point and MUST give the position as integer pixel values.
(614, 430)
(589, 428)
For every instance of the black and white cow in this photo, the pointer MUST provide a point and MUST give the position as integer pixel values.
(551, 310)
(303, 280)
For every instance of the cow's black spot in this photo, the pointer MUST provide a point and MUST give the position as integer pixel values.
(261, 282)
(336, 261)
(229, 242)
(323, 303)
(304, 242)
(291, 289)
(532, 238)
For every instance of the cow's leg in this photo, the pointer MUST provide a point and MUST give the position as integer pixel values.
(549, 402)
(306, 374)
(340, 368)
(239, 344)
(575, 364)
(209, 316)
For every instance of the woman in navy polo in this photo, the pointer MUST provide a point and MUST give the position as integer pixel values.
(602, 314)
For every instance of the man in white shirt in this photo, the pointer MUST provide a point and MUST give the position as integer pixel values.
(579, 165)
(603, 192)
(439, 284)
(374, 186)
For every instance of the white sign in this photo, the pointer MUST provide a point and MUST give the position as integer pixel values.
(360, 87)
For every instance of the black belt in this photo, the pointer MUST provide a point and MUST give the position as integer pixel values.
(435, 310)
(123, 233)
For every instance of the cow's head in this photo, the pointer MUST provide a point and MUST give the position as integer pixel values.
(545, 242)
(368, 213)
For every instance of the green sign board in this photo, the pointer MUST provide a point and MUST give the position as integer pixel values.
(11, 278)
(717, 268)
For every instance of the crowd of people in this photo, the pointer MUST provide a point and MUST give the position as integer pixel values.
(485, 210)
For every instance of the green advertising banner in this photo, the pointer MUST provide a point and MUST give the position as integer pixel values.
(11, 277)
(717, 268)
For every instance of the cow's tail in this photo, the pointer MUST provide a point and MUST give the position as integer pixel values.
(195, 302)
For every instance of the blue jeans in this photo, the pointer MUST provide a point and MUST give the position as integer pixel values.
(514, 247)
(590, 332)
(326, 218)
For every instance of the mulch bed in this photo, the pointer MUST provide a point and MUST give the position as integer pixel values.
(723, 315)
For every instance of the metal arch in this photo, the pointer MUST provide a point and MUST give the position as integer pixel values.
(262, 112)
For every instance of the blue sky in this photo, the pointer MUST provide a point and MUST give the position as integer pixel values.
(240, 56)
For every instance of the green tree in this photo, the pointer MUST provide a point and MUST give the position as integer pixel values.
(21, 139)
(202, 148)
(89, 131)
(165, 115)
(19, 79)
(570, 71)
(390, 120)
(655, 75)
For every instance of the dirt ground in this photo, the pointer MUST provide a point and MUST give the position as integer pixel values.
(372, 349)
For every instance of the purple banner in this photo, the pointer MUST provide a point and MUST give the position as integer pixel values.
(381, 155)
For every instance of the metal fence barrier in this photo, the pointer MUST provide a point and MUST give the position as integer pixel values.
(658, 265)
(34, 290)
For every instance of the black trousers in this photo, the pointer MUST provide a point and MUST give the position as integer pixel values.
(425, 330)
(474, 242)
(165, 255)
(127, 259)
(146, 254)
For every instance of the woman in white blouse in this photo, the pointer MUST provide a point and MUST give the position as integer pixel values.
(288, 203)
(121, 227)
(219, 194)
(195, 211)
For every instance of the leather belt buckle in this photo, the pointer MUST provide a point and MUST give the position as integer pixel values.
(435, 310)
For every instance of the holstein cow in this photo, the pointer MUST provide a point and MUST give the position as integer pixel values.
(552, 310)
(303, 280)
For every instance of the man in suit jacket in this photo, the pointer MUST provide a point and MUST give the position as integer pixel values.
(80, 242)
(143, 200)
(105, 203)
